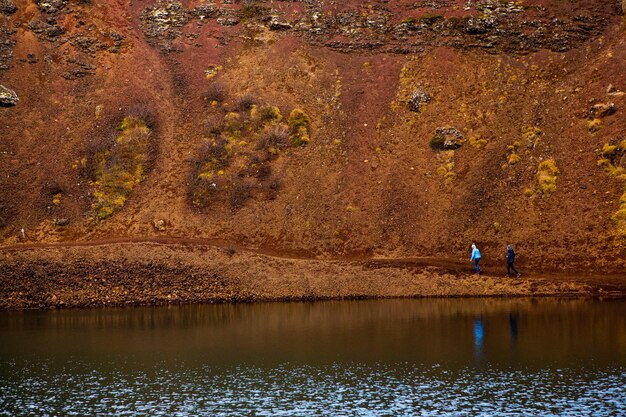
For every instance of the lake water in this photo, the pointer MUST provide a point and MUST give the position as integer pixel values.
(432, 357)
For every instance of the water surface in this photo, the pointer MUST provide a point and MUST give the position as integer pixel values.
(459, 357)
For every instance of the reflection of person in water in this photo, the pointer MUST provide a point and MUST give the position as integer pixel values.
(478, 332)
(513, 317)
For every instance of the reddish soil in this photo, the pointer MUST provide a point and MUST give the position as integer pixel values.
(166, 271)
(361, 210)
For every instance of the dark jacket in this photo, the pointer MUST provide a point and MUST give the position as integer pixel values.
(510, 255)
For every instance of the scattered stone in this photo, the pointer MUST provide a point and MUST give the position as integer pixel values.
(600, 110)
(159, 225)
(61, 222)
(613, 91)
(8, 97)
(7, 7)
(480, 25)
(205, 12)
(418, 98)
(83, 69)
(446, 138)
(48, 30)
(227, 21)
(276, 23)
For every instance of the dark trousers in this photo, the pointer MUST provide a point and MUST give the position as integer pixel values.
(476, 265)
(509, 266)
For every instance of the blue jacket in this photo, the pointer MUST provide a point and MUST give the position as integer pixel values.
(475, 254)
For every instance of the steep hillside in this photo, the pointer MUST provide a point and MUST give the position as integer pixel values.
(319, 129)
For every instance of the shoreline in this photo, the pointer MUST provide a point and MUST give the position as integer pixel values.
(117, 274)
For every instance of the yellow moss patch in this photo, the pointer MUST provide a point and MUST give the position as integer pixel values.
(478, 142)
(120, 169)
(547, 174)
(446, 170)
(513, 159)
(299, 125)
(594, 125)
(212, 71)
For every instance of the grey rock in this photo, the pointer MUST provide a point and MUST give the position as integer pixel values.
(446, 138)
(7, 7)
(8, 97)
(601, 110)
(61, 222)
(275, 23)
(418, 98)
(228, 21)
(51, 6)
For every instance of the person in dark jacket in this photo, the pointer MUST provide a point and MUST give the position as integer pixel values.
(510, 261)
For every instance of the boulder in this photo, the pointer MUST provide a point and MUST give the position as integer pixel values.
(600, 110)
(446, 138)
(7, 97)
(418, 98)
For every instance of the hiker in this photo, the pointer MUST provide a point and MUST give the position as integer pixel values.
(475, 257)
(510, 261)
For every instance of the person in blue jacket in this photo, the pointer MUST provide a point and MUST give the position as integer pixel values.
(475, 257)
(510, 261)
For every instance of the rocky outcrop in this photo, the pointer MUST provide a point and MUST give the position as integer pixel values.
(8, 97)
(51, 6)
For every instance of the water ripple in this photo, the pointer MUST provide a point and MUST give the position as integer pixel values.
(295, 390)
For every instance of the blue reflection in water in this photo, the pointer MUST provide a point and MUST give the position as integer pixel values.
(479, 336)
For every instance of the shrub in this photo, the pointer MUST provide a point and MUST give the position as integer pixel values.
(240, 192)
(232, 125)
(121, 168)
(265, 115)
(214, 159)
(215, 92)
(547, 173)
(299, 125)
(246, 102)
(274, 138)
(143, 112)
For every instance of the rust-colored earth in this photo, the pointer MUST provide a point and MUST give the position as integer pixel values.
(367, 208)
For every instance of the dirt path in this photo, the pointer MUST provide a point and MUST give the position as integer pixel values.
(167, 270)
